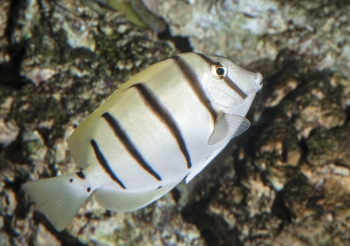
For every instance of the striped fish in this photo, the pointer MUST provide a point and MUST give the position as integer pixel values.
(163, 125)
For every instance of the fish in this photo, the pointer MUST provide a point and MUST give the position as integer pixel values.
(164, 125)
(142, 13)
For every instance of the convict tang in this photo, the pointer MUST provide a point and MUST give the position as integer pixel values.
(163, 125)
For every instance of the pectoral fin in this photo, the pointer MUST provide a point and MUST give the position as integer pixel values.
(228, 125)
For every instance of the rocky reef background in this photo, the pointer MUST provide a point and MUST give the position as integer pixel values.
(286, 181)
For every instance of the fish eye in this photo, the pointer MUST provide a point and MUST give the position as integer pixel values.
(219, 70)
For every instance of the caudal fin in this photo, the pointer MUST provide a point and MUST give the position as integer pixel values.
(59, 198)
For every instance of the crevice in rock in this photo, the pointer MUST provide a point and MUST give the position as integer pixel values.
(279, 208)
(347, 111)
(64, 237)
(196, 213)
(10, 71)
(214, 229)
(181, 43)
(304, 148)
(14, 151)
(12, 16)
(9, 229)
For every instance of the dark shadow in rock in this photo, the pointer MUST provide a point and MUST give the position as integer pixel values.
(14, 152)
(45, 133)
(213, 228)
(22, 203)
(347, 111)
(181, 43)
(279, 208)
(304, 149)
(10, 71)
(64, 237)
(9, 229)
(249, 140)
(196, 213)
(176, 195)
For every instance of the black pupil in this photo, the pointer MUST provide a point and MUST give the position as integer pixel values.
(220, 71)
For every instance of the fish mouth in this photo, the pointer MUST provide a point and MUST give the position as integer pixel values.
(258, 81)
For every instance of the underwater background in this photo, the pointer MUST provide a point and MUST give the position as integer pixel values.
(286, 181)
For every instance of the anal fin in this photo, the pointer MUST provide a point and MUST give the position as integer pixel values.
(124, 201)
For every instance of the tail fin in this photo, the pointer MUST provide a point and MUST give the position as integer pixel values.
(59, 198)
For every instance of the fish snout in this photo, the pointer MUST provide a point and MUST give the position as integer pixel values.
(258, 81)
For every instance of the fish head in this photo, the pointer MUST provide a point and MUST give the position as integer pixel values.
(228, 84)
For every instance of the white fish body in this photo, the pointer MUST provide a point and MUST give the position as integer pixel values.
(166, 123)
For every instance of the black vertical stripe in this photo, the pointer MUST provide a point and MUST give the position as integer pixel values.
(103, 162)
(195, 84)
(81, 175)
(128, 144)
(227, 79)
(207, 59)
(164, 115)
(235, 87)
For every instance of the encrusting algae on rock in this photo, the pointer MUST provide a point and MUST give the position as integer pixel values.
(262, 189)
